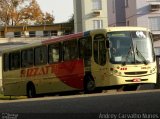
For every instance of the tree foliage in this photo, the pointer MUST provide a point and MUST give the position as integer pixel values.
(20, 12)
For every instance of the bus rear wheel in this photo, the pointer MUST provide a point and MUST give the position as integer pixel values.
(89, 84)
(31, 92)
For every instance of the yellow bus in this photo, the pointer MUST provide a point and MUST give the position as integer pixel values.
(111, 57)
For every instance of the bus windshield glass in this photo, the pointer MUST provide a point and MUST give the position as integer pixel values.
(130, 47)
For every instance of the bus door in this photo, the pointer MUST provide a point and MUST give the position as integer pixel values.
(99, 66)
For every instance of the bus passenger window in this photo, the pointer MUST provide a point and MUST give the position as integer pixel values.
(40, 55)
(14, 60)
(27, 58)
(85, 49)
(66, 53)
(6, 62)
(54, 53)
(70, 50)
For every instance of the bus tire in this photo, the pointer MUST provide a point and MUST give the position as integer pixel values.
(31, 92)
(89, 84)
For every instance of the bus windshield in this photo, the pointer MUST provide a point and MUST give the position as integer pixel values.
(130, 47)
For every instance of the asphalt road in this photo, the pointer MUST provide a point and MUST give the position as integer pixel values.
(101, 105)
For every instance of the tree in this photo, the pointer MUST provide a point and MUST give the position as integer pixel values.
(29, 14)
(8, 9)
(46, 19)
(20, 12)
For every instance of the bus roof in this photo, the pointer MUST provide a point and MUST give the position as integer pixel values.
(126, 28)
(70, 37)
(38, 43)
(16, 46)
(62, 38)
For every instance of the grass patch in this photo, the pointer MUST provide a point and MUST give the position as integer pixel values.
(2, 97)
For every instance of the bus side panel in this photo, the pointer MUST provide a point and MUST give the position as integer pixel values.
(13, 84)
(58, 77)
(71, 73)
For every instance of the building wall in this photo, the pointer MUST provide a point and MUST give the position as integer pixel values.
(111, 13)
(39, 33)
(85, 13)
(139, 13)
(131, 13)
(143, 11)
(120, 13)
(116, 13)
(9, 34)
(36, 30)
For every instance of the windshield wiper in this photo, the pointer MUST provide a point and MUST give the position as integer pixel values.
(126, 58)
(140, 55)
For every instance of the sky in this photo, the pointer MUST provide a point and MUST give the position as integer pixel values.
(62, 9)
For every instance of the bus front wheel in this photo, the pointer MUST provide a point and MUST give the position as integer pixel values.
(89, 84)
(31, 92)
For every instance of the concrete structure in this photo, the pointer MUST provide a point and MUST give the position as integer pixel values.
(145, 13)
(116, 13)
(90, 14)
(35, 30)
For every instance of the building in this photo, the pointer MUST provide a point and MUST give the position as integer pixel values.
(116, 13)
(90, 14)
(145, 13)
(35, 30)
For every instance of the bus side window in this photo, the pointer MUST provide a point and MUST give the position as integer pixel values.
(14, 60)
(70, 50)
(102, 52)
(85, 49)
(27, 58)
(54, 53)
(41, 55)
(96, 56)
(6, 62)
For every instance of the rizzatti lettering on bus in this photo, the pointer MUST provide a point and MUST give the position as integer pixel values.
(38, 71)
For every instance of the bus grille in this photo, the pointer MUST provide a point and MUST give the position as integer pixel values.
(136, 73)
